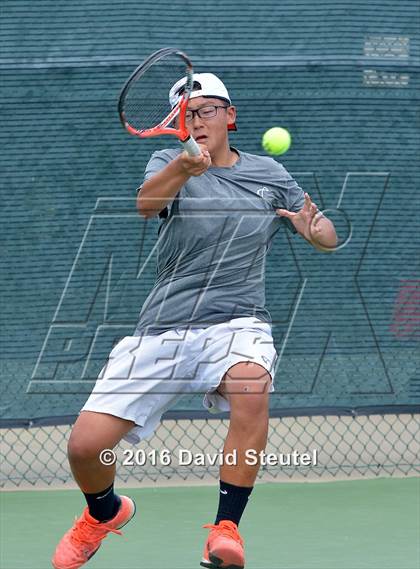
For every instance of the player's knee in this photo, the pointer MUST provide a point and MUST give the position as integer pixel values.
(81, 450)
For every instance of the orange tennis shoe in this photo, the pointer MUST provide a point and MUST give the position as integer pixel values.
(224, 548)
(83, 540)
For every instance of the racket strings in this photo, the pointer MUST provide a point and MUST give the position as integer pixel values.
(146, 103)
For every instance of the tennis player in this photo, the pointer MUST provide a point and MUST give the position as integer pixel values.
(204, 327)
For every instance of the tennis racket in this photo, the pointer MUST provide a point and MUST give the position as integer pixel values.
(144, 107)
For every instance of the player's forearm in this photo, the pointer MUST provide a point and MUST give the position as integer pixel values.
(160, 189)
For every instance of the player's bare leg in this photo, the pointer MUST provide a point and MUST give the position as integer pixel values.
(106, 512)
(246, 386)
(92, 433)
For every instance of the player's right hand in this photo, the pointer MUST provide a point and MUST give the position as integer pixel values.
(195, 165)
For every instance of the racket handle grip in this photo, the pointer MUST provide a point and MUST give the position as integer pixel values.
(191, 146)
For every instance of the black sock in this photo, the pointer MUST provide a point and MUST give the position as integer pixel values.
(104, 505)
(232, 502)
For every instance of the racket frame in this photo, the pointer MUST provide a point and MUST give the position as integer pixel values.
(187, 141)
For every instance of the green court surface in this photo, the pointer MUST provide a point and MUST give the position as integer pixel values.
(370, 524)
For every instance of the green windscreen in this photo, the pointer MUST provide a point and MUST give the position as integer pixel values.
(78, 261)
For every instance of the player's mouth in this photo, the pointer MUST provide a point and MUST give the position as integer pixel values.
(201, 138)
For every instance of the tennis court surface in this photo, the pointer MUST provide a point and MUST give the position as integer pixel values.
(361, 524)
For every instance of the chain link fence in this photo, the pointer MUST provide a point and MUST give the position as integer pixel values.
(339, 446)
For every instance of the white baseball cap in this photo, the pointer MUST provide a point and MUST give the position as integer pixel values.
(204, 85)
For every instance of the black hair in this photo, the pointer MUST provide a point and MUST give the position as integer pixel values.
(196, 87)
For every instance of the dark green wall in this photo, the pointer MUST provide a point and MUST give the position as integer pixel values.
(342, 77)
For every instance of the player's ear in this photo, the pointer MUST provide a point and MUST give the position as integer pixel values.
(231, 114)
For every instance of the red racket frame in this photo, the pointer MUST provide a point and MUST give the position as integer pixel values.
(180, 109)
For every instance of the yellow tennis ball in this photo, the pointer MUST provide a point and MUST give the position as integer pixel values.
(276, 141)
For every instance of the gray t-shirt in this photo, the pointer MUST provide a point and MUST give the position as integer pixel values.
(213, 238)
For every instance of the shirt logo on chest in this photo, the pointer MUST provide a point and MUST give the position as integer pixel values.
(265, 193)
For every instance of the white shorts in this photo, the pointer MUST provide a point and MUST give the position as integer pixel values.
(145, 375)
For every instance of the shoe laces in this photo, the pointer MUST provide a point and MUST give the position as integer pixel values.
(227, 528)
(86, 533)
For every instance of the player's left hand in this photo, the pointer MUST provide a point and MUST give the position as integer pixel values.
(305, 220)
